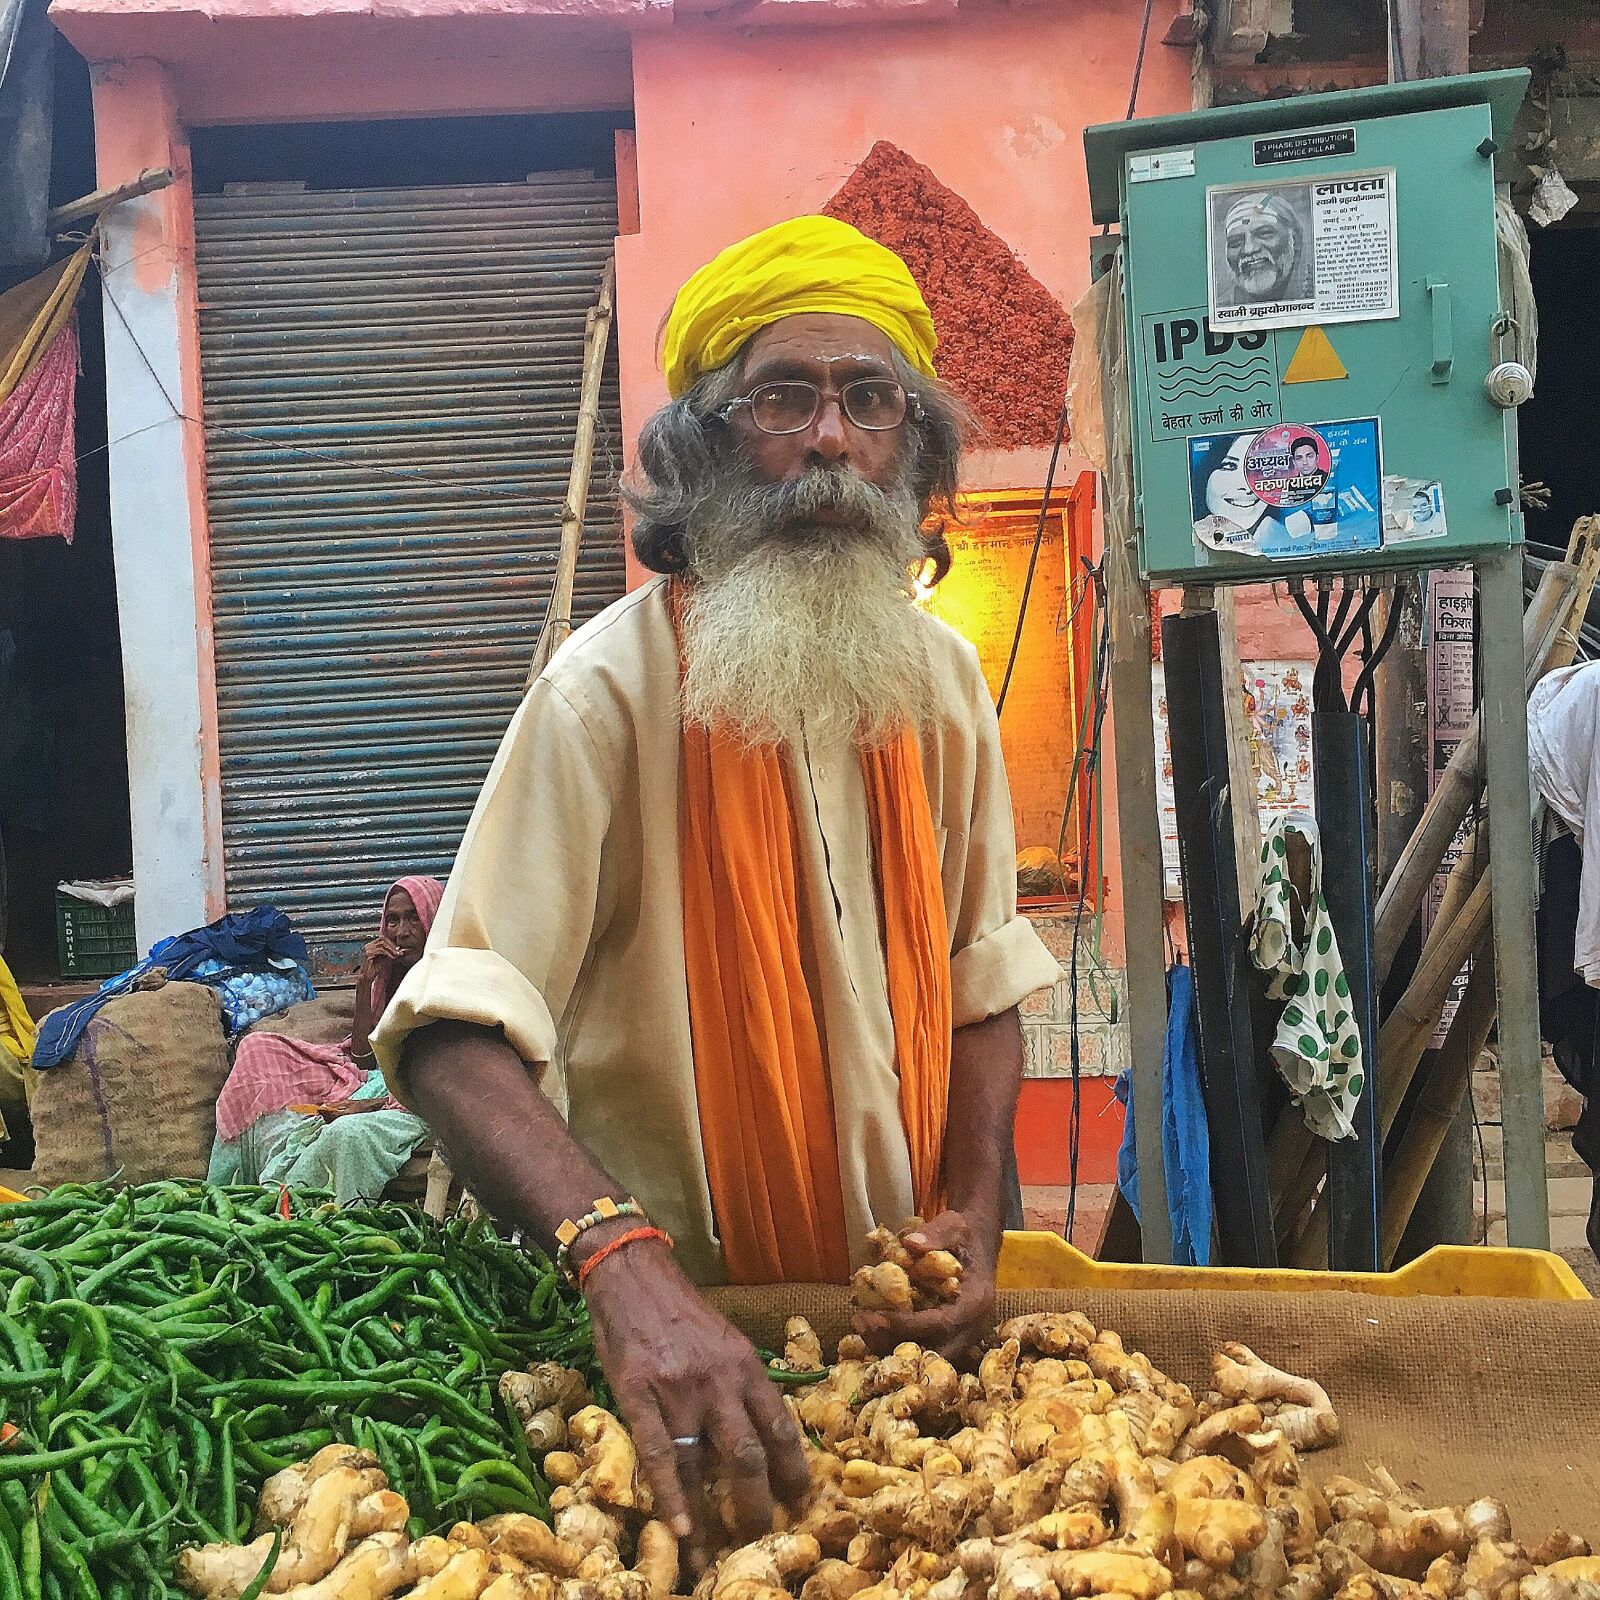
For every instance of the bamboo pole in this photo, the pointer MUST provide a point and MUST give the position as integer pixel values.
(1458, 787)
(91, 205)
(1408, 1028)
(596, 338)
(1296, 1162)
(1405, 1035)
(1439, 1102)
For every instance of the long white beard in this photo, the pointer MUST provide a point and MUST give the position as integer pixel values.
(810, 630)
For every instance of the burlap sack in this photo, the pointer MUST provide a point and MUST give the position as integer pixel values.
(137, 1098)
(325, 1020)
(1456, 1397)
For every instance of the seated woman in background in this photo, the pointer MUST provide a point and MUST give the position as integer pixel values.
(357, 1138)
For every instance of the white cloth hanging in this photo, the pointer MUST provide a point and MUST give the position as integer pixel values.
(1563, 749)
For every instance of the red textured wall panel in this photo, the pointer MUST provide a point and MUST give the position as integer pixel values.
(1004, 340)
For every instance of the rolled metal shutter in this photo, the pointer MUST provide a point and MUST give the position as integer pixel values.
(390, 384)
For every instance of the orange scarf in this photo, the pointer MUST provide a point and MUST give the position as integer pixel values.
(766, 1104)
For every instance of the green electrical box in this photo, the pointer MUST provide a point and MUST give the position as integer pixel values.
(1313, 317)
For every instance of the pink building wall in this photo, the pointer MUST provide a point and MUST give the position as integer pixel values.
(739, 129)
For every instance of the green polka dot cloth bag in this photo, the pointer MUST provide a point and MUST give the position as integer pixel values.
(1317, 1048)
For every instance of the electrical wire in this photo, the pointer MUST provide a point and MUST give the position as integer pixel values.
(1094, 748)
(1099, 693)
(1480, 777)
(1138, 60)
(1033, 558)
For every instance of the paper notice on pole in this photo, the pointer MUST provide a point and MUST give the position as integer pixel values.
(1451, 699)
(1277, 705)
(1286, 254)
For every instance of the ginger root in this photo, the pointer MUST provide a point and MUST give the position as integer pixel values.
(882, 1287)
(902, 1277)
(316, 1541)
(610, 1463)
(544, 1396)
(1298, 1407)
(531, 1541)
(802, 1349)
(760, 1571)
(1066, 1466)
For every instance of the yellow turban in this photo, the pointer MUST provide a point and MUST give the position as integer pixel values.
(805, 264)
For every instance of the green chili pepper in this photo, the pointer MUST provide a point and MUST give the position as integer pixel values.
(253, 1589)
(10, 1579)
(14, 1466)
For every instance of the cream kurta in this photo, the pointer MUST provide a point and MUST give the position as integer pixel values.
(563, 920)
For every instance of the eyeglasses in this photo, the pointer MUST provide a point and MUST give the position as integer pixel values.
(873, 404)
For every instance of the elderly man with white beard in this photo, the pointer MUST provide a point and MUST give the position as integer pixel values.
(728, 969)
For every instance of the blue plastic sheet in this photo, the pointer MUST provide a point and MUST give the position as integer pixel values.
(1185, 1134)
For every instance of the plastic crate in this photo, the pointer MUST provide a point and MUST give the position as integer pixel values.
(1045, 1261)
(94, 941)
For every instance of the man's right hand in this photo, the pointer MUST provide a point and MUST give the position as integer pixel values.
(697, 1400)
(678, 1370)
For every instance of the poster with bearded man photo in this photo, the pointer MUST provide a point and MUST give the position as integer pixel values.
(1283, 255)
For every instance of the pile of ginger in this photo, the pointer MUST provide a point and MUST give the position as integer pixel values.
(339, 1534)
(1065, 1467)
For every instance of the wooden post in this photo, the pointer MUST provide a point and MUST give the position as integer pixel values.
(596, 337)
(1440, 1104)
(1400, 719)
(1132, 683)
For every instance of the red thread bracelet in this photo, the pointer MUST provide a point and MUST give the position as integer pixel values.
(632, 1236)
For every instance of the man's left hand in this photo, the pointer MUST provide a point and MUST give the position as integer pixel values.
(953, 1329)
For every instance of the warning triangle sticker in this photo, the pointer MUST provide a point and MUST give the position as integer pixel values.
(1314, 360)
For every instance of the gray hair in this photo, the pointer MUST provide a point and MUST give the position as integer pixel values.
(684, 446)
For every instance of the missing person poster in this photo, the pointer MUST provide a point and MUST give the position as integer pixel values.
(1282, 255)
(1289, 491)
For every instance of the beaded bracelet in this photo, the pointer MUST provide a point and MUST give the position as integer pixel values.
(611, 1246)
(605, 1210)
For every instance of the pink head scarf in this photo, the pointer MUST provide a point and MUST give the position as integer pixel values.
(425, 894)
(272, 1071)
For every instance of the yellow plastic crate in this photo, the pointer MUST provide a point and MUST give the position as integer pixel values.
(1045, 1261)
(10, 1196)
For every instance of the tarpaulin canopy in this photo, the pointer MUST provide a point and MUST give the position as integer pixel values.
(32, 314)
(38, 379)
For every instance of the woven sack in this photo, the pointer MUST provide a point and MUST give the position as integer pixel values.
(137, 1098)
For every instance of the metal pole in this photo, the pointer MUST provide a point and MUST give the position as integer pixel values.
(1513, 892)
(1138, 821)
(1228, 1060)
(1345, 819)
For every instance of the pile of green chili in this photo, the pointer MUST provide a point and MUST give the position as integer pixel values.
(166, 1347)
